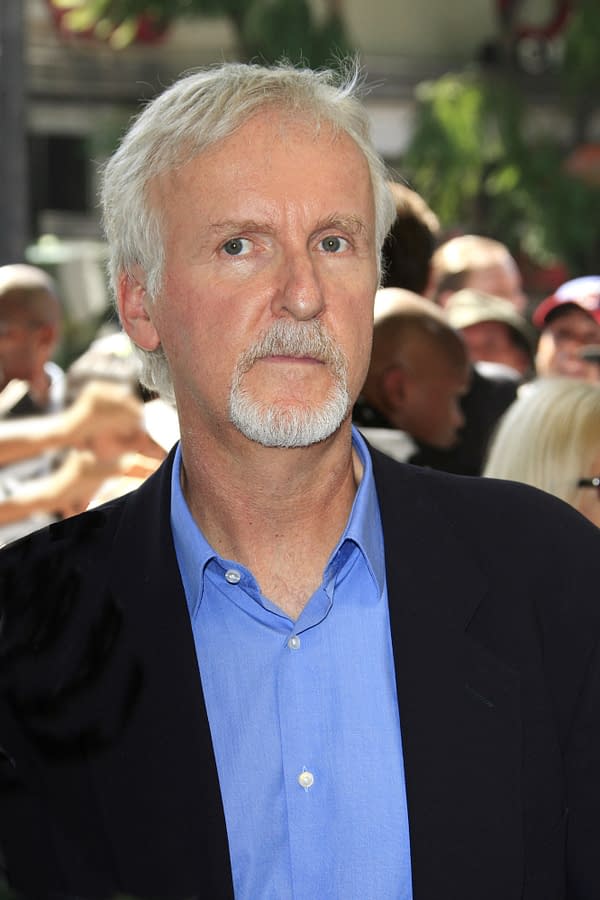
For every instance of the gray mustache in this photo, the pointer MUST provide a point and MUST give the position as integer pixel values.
(288, 338)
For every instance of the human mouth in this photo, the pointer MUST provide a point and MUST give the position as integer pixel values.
(292, 358)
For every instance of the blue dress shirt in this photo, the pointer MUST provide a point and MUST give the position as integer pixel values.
(303, 717)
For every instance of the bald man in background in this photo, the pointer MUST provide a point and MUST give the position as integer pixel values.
(418, 373)
(477, 262)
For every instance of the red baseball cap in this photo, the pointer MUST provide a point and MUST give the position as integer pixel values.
(581, 292)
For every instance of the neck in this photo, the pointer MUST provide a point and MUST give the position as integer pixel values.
(279, 512)
(39, 388)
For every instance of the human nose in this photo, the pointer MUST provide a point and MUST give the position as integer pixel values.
(300, 294)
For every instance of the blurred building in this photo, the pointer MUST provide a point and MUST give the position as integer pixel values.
(79, 93)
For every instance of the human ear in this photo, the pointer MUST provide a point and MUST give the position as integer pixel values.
(133, 304)
(394, 387)
(47, 337)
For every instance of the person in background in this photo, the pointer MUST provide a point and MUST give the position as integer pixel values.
(85, 443)
(591, 357)
(69, 489)
(288, 665)
(550, 438)
(481, 263)
(407, 264)
(419, 371)
(493, 331)
(569, 324)
(409, 246)
(104, 442)
(31, 384)
(111, 360)
(30, 326)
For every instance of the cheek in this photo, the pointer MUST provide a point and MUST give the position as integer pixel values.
(16, 356)
(359, 358)
(441, 413)
(358, 328)
(180, 320)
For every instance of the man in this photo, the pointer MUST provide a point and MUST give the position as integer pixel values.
(30, 321)
(287, 666)
(481, 263)
(419, 371)
(102, 439)
(407, 263)
(471, 261)
(409, 246)
(569, 323)
(31, 384)
(493, 330)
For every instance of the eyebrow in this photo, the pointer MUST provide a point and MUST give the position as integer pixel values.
(232, 226)
(352, 224)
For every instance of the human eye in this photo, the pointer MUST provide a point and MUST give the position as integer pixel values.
(334, 244)
(237, 246)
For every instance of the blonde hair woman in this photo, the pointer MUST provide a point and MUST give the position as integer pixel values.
(550, 438)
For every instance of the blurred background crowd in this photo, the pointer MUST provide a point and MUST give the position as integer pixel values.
(486, 353)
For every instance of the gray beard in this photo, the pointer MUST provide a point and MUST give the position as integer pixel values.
(291, 426)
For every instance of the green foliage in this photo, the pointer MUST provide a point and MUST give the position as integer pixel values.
(266, 30)
(286, 28)
(475, 163)
(581, 63)
(448, 152)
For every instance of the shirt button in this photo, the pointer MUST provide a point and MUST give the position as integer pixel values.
(232, 576)
(306, 780)
(294, 642)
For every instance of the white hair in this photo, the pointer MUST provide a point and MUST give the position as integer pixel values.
(549, 437)
(195, 113)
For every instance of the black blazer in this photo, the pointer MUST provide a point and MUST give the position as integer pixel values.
(107, 777)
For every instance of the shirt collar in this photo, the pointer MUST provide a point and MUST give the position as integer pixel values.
(364, 523)
(192, 549)
(363, 530)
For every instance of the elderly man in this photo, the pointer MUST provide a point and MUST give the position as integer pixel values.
(288, 666)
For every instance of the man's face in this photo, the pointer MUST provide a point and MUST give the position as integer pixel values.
(492, 342)
(273, 228)
(432, 407)
(20, 346)
(502, 279)
(561, 341)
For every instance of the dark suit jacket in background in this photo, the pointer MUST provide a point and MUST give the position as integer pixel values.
(107, 777)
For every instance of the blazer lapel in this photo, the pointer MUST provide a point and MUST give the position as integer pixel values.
(167, 794)
(459, 706)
